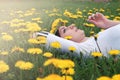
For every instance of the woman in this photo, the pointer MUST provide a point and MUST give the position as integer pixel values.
(107, 40)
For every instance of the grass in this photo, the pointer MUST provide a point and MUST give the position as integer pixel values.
(89, 68)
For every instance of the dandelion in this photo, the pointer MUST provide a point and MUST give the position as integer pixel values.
(3, 67)
(68, 37)
(101, 10)
(34, 51)
(33, 41)
(92, 33)
(114, 52)
(89, 25)
(56, 44)
(116, 77)
(17, 49)
(24, 65)
(59, 63)
(104, 78)
(38, 40)
(51, 76)
(4, 53)
(38, 78)
(72, 48)
(42, 39)
(96, 36)
(48, 54)
(68, 71)
(96, 54)
(7, 37)
(57, 23)
(67, 78)
(33, 27)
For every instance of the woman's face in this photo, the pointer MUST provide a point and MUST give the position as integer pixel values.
(76, 34)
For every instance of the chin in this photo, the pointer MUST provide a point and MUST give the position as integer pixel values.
(81, 31)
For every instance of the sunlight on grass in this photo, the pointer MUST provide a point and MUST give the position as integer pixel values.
(25, 58)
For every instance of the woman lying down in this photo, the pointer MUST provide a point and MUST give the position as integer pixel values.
(107, 40)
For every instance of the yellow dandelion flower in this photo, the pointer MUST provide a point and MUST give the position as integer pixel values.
(107, 16)
(17, 49)
(101, 10)
(56, 44)
(71, 48)
(24, 65)
(59, 63)
(37, 41)
(104, 78)
(3, 67)
(34, 51)
(70, 71)
(89, 25)
(67, 78)
(33, 41)
(56, 23)
(116, 77)
(92, 32)
(4, 53)
(65, 64)
(79, 12)
(53, 77)
(114, 52)
(68, 37)
(49, 61)
(117, 18)
(42, 39)
(48, 54)
(38, 78)
(33, 27)
(7, 37)
(96, 36)
(36, 19)
(18, 63)
(96, 54)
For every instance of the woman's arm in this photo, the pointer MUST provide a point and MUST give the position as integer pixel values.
(101, 21)
(111, 23)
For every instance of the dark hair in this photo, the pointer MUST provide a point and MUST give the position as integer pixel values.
(57, 33)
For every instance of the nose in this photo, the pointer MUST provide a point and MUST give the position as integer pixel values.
(71, 26)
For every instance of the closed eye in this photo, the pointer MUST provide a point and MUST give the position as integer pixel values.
(64, 30)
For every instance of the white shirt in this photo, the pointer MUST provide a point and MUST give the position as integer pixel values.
(107, 40)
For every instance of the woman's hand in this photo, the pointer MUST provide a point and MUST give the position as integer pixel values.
(99, 20)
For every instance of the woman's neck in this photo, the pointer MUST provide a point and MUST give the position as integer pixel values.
(84, 39)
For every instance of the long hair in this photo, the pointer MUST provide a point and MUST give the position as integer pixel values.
(57, 33)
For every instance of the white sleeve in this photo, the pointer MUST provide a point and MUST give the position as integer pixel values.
(65, 44)
(109, 39)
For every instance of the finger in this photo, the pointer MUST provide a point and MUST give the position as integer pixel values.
(89, 17)
(93, 16)
(92, 21)
(99, 14)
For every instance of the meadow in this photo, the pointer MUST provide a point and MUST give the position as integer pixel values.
(26, 58)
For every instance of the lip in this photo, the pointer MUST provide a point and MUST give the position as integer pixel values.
(76, 29)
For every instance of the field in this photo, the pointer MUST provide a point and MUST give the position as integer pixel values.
(25, 58)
